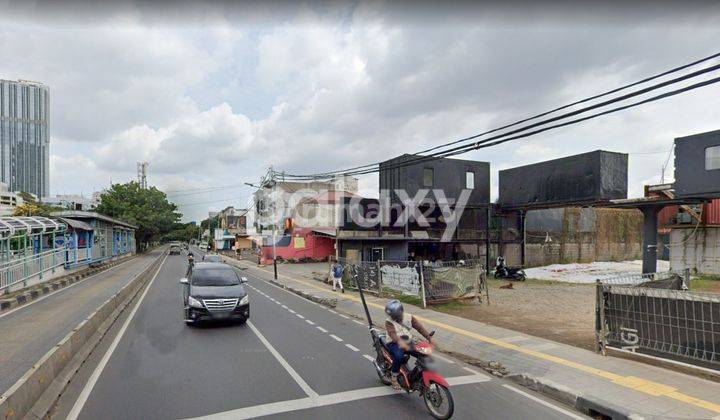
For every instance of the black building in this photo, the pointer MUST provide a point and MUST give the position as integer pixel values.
(394, 238)
(697, 165)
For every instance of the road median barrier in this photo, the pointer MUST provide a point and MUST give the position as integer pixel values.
(36, 392)
(22, 297)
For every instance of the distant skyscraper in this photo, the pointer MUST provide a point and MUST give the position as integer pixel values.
(24, 138)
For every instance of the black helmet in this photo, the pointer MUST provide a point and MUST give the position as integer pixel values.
(394, 310)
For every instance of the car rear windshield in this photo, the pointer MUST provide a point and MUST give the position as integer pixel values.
(215, 277)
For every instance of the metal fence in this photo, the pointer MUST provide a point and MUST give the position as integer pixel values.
(659, 321)
(20, 270)
(454, 280)
(431, 282)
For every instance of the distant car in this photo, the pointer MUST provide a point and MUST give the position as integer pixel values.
(214, 291)
(174, 249)
(211, 258)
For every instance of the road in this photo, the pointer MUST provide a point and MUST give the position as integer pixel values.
(293, 359)
(31, 330)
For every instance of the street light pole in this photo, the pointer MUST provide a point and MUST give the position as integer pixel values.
(274, 192)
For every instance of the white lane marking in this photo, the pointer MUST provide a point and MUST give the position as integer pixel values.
(471, 370)
(545, 403)
(284, 307)
(342, 316)
(278, 302)
(300, 381)
(34, 301)
(323, 400)
(358, 322)
(351, 347)
(299, 316)
(444, 359)
(370, 358)
(90, 384)
(291, 311)
(321, 329)
(335, 337)
(309, 322)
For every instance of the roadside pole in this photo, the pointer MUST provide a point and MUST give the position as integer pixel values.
(362, 298)
(275, 229)
(422, 284)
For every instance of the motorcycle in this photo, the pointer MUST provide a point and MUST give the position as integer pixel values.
(502, 271)
(432, 387)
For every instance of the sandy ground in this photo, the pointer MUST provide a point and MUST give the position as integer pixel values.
(556, 311)
(588, 273)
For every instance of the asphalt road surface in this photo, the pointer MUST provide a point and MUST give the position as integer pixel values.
(31, 330)
(293, 359)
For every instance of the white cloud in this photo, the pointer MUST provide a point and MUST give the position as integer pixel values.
(215, 100)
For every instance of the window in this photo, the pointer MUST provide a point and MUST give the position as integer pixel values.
(469, 180)
(428, 177)
(712, 158)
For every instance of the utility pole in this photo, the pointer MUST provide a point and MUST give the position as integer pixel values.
(274, 193)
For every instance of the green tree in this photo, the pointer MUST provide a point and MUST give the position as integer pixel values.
(182, 232)
(149, 209)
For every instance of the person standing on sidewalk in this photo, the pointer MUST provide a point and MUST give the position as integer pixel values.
(337, 273)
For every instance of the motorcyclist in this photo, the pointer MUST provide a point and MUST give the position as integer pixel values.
(399, 326)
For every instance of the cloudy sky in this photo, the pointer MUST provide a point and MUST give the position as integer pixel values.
(211, 94)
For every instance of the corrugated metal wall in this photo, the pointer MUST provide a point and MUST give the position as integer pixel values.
(711, 213)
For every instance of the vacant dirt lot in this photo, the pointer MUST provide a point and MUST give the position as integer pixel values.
(556, 311)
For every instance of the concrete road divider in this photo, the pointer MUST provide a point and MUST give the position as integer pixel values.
(37, 390)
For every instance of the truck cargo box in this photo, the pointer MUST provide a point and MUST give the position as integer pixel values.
(697, 165)
(580, 179)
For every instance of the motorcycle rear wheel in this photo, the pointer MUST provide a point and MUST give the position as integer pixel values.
(382, 369)
(439, 401)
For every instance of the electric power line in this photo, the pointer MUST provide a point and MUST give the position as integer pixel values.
(374, 167)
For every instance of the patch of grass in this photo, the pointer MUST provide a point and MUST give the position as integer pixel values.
(449, 306)
(705, 283)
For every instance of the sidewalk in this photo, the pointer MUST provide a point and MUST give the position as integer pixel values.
(592, 383)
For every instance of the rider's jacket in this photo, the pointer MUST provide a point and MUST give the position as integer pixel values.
(403, 329)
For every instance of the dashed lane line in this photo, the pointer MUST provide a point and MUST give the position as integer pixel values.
(351, 347)
(370, 358)
(321, 329)
(336, 338)
(309, 322)
(444, 359)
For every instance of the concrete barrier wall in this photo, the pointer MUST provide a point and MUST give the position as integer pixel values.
(22, 396)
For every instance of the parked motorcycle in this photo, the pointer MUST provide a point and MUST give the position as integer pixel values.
(431, 386)
(502, 271)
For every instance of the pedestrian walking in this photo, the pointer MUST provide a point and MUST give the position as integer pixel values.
(337, 273)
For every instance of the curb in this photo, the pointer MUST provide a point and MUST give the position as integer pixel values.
(50, 286)
(572, 398)
(30, 395)
(326, 301)
(588, 405)
(329, 302)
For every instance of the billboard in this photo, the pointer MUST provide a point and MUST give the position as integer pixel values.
(574, 180)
